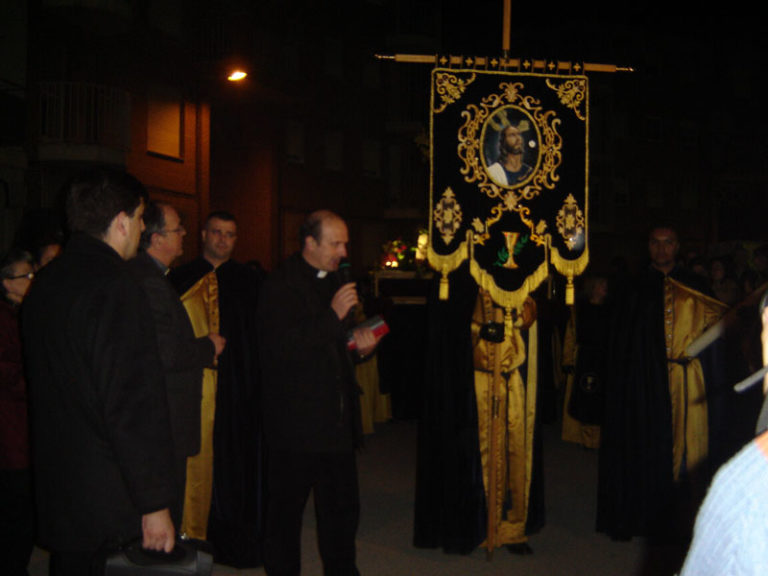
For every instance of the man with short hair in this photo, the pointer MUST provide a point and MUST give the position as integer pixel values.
(183, 355)
(656, 433)
(100, 428)
(219, 236)
(224, 495)
(311, 400)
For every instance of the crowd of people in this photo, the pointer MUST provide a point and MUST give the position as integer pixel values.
(734, 277)
(205, 402)
(131, 391)
(659, 357)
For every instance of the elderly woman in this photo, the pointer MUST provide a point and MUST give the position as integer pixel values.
(16, 511)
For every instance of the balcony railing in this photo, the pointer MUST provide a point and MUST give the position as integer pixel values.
(87, 114)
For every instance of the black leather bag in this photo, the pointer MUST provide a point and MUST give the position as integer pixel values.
(131, 559)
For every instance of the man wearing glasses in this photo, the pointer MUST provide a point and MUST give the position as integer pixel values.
(183, 355)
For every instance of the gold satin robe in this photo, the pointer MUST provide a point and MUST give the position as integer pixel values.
(202, 304)
(375, 407)
(687, 315)
(513, 406)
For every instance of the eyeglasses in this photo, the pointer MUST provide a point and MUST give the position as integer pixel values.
(28, 275)
(179, 230)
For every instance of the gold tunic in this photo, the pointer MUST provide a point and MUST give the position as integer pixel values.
(687, 315)
(506, 413)
(202, 304)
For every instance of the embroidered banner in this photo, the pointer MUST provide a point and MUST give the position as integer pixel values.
(509, 186)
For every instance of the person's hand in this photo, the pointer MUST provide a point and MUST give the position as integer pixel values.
(344, 299)
(218, 342)
(365, 340)
(157, 531)
(528, 313)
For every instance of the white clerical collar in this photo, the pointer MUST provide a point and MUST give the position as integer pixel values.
(322, 273)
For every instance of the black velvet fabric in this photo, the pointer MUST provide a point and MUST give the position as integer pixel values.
(450, 508)
(235, 524)
(635, 473)
(402, 360)
(636, 492)
(450, 501)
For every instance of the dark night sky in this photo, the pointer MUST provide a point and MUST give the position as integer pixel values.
(695, 66)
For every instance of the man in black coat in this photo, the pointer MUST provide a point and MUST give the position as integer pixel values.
(100, 430)
(311, 400)
(654, 452)
(225, 504)
(183, 356)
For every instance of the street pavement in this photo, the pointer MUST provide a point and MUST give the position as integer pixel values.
(567, 545)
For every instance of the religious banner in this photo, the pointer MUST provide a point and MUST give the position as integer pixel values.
(509, 186)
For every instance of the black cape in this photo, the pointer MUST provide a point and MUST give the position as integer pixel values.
(450, 507)
(637, 495)
(236, 518)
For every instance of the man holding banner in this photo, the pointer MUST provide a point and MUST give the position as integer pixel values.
(509, 196)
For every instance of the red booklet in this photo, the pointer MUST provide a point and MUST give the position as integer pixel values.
(375, 323)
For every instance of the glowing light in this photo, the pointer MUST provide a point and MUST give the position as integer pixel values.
(391, 262)
(237, 75)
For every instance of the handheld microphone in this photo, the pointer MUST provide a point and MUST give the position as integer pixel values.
(345, 272)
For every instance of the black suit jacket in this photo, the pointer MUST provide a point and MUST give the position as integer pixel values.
(101, 437)
(309, 392)
(183, 356)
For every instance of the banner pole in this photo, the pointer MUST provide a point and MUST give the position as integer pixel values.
(532, 65)
(505, 39)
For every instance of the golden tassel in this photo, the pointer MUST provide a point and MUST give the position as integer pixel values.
(508, 322)
(444, 287)
(569, 291)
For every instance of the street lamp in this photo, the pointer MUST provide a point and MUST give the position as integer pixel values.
(237, 75)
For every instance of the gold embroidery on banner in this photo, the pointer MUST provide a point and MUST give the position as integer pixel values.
(572, 94)
(494, 112)
(510, 239)
(450, 88)
(506, 298)
(483, 228)
(567, 267)
(570, 223)
(447, 264)
(509, 105)
(448, 216)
